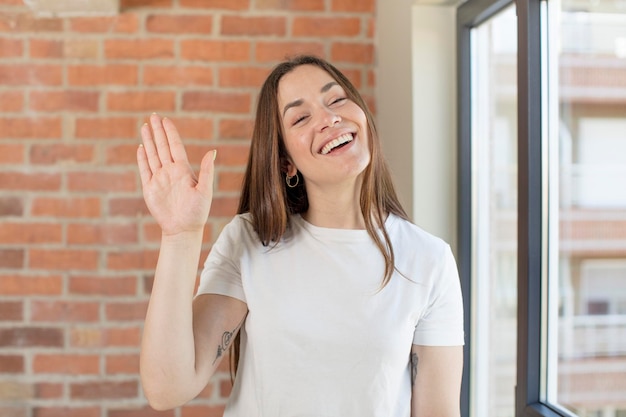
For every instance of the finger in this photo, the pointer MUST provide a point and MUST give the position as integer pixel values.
(160, 139)
(145, 173)
(207, 172)
(149, 148)
(176, 147)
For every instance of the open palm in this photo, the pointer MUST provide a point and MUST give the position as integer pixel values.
(177, 199)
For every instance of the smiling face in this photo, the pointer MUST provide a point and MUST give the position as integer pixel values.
(325, 133)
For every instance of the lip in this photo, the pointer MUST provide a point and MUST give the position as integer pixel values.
(335, 136)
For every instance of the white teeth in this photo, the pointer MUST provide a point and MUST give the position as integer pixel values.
(336, 142)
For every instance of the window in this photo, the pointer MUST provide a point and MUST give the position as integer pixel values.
(494, 218)
(542, 206)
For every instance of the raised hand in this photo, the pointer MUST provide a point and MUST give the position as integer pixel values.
(177, 199)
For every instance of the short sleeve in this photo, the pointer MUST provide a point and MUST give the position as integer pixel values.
(221, 273)
(442, 321)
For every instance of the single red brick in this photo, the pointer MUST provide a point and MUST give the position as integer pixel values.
(31, 337)
(67, 364)
(123, 336)
(295, 5)
(28, 233)
(12, 364)
(360, 53)
(126, 311)
(28, 22)
(11, 101)
(64, 311)
(121, 155)
(128, 260)
(229, 181)
(182, 24)
(34, 181)
(127, 207)
(128, 5)
(366, 6)
(64, 100)
(326, 26)
(14, 410)
(217, 102)
(11, 48)
(224, 206)
(11, 206)
(122, 364)
(30, 128)
(11, 310)
(253, 26)
(236, 128)
(102, 286)
(242, 76)
(143, 101)
(55, 153)
(45, 48)
(30, 74)
(31, 285)
(227, 155)
(121, 23)
(215, 51)
(101, 234)
(62, 411)
(194, 128)
(182, 76)
(138, 411)
(11, 153)
(91, 75)
(104, 390)
(82, 48)
(202, 411)
(107, 128)
(138, 48)
(102, 181)
(63, 259)
(278, 51)
(48, 390)
(12, 258)
(217, 4)
(88, 207)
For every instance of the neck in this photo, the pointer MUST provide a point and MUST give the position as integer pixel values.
(339, 208)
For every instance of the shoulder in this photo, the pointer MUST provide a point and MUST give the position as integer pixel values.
(406, 234)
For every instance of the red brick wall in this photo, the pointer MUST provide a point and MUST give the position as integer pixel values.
(77, 247)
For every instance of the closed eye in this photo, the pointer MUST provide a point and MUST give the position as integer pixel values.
(298, 120)
(338, 100)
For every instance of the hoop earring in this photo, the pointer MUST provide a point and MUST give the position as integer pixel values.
(288, 180)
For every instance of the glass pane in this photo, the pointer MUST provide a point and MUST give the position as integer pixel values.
(494, 223)
(587, 313)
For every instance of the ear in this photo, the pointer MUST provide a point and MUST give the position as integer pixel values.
(289, 167)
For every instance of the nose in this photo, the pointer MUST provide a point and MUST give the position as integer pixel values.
(329, 118)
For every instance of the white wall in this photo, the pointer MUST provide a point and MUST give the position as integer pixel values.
(416, 102)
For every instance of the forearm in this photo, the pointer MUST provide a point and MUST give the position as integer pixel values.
(168, 369)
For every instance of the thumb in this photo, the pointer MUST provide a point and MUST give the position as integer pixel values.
(207, 171)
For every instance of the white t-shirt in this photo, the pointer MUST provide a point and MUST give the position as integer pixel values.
(321, 338)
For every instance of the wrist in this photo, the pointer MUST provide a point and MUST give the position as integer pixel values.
(185, 237)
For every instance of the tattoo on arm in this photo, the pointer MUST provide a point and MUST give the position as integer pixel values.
(227, 337)
(414, 360)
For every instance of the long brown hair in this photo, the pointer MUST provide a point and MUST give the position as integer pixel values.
(270, 202)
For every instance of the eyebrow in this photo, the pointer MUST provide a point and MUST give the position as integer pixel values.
(299, 102)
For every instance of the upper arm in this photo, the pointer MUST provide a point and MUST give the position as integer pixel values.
(216, 321)
(436, 373)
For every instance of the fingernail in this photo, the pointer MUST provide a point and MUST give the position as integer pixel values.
(214, 154)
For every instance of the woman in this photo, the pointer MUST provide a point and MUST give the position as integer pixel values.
(343, 307)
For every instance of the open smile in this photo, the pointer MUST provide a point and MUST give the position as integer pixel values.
(336, 143)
